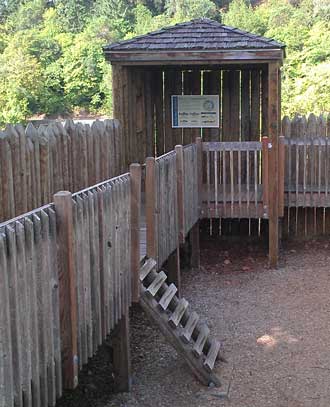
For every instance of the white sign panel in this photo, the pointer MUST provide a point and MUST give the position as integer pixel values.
(195, 111)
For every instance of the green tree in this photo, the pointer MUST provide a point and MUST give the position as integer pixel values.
(117, 15)
(146, 22)
(240, 14)
(322, 9)
(83, 68)
(20, 84)
(190, 9)
(73, 14)
(27, 15)
(7, 7)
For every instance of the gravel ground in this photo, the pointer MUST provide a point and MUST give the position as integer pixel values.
(274, 326)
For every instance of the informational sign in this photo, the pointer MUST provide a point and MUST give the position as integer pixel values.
(195, 111)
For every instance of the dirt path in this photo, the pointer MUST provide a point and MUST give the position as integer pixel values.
(274, 326)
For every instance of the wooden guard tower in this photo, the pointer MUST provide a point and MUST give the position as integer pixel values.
(204, 57)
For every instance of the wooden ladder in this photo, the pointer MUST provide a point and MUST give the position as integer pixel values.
(180, 326)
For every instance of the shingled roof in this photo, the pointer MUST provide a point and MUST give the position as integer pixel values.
(200, 34)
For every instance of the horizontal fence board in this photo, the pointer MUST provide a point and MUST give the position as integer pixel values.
(232, 145)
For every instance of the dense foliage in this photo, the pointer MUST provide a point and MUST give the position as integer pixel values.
(51, 58)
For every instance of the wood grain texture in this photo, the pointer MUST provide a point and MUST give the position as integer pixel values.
(273, 128)
(67, 289)
(135, 201)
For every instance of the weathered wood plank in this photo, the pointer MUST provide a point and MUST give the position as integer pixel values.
(212, 356)
(24, 313)
(6, 356)
(211, 86)
(135, 198)
(15, 317)
(147, 267)
(177, 315)
(167, 296)
(201, 340)
(189, 327)
(67, 289)
(48, 307)
(273, 115)
(156, 284)
(151, 208)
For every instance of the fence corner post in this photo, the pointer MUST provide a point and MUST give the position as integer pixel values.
(135, 173)
(67, 288)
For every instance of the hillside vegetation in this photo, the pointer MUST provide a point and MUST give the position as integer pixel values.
(51, 59)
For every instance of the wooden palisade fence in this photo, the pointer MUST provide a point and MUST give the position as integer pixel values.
(65, 284)
(35, 163)
(69, 272)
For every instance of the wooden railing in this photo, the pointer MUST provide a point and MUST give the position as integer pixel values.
(190, 192)
(35, 163)
(172, 206)
(307, 175)
(233, 180)
(65, 282)
(161, 207)
(307, 172)
(101, 246)
(70, 270)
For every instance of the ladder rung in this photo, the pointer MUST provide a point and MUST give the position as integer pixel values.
(167, 296)
(201, 339)
(148, 266)
(157, 283)
(190, 326)
(212, 355)
(178, 313)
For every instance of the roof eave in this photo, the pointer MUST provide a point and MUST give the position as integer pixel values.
(168, 57)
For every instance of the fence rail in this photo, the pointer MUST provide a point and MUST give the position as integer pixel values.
(35, 163)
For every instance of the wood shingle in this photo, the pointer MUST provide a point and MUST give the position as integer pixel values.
(200, 34)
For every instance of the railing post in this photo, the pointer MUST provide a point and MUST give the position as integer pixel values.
(273, 134)
(199, 171)
(151, 208)
(265, 175)
(135, 172)
(180, 191)
(281, 160)
(67, 288)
